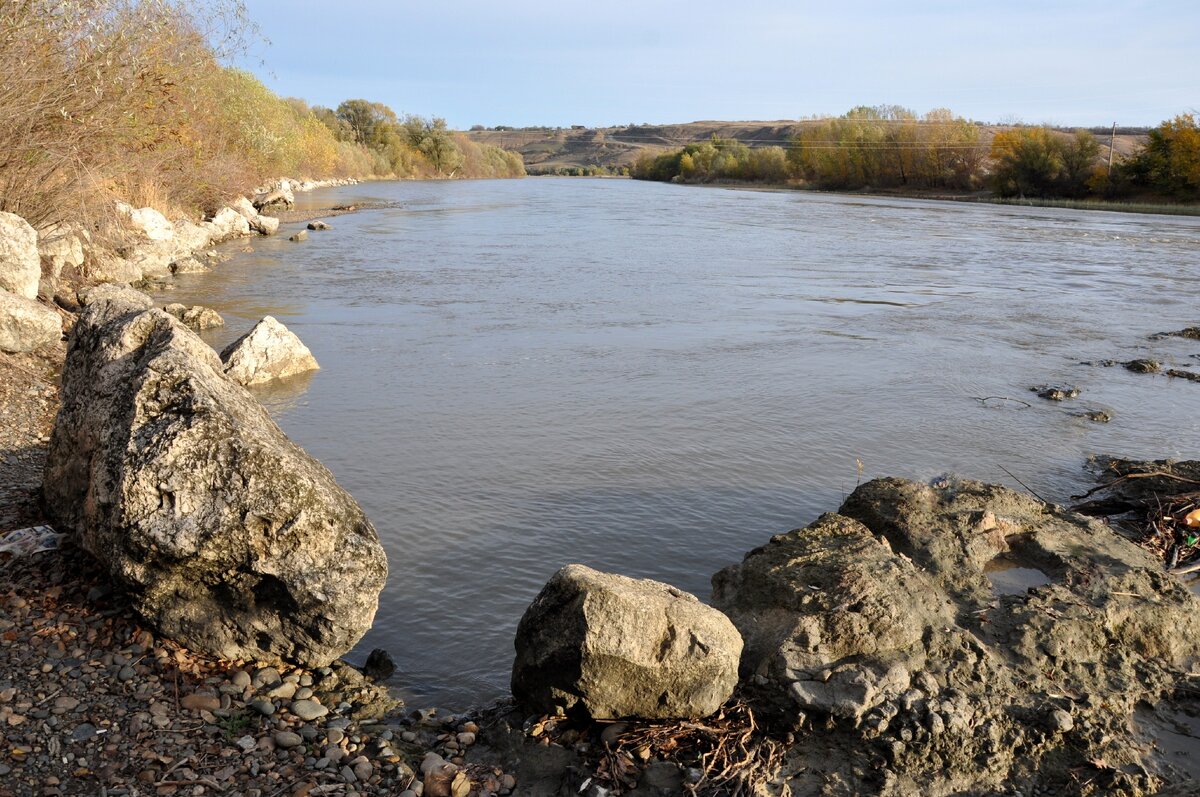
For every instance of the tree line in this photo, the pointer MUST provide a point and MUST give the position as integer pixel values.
(890, 147)
(133, 99)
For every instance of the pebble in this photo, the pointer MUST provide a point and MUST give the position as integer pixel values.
(126, 673)
(363, 770)
(1061, 721)
(308, 710)
(348, 774)
(83, 732)
(200, 702)
(264, 707)
(287, 739)
(335, 735)
(240, 679)
(247, 743)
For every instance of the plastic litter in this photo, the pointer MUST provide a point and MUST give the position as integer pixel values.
(35, 539)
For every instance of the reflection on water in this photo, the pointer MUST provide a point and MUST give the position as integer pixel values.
(1010, 577)
(654, 379)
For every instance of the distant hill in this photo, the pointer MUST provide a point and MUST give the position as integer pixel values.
(549, 148)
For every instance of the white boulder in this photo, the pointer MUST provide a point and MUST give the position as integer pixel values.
(20, 263)
(26, 325)
(269, 351)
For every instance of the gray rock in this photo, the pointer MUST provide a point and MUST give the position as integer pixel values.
(108, 267)
(188, 265)
(196, 317)
(318, 225)
(20, 263)
(59, 246)
(287, 740)
(26, 324)
(274, 199)
(227, 536)
(308, 710)
(264, 707)
(83, 732)
(298, 237)
(621, 647)
(268, 351)
(228, 223)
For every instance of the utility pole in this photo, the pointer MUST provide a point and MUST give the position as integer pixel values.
(1112, 142)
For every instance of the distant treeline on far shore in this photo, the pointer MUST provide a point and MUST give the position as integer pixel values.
(132, 99)
(888, 147)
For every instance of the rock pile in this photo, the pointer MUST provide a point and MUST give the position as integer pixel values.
(229, 538)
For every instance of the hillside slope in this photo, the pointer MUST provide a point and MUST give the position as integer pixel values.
(547, 149)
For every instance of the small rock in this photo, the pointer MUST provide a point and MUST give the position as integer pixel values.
(1060, 721)
(1143, 366)
(318, 225)
(126, 674)
(240, 679)
(300, 236)
(83, 732)
(348, 774)
(247, 743)
(363, 770)
(287, 740)
(1052, 393)
(308, 710)
(335, 735)
(380, 665)
(264, 707)
(466, 739)
(200, 702)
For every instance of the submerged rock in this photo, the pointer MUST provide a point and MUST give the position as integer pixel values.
(318, 225)
(227, 536)
(1143, 366)
(268, 351)
(298, 237)
(1055, 393)
(623, 647)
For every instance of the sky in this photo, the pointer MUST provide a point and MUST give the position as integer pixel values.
(523, 63)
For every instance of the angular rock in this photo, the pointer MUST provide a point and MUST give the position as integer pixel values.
(26, 325)
(191, 237)
(196, 317)
(894, 627)
(148, 223)
(59, 246)
(226, 535)
(228, 223)
(268, 225)
(298, 237)
(318, 225)
(274, 199)
(789, 599)
(105, 266)
(20, 263)
(621, 647)
(268, 351)
(188, 265)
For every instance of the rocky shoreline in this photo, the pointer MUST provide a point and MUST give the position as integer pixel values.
(953, 638)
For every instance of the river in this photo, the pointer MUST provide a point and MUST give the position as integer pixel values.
(653, 379)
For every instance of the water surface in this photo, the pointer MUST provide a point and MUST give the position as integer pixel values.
(654, 379)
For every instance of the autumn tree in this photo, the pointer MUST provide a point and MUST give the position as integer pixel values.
(1169, 162)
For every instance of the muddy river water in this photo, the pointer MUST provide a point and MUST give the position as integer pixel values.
(653, 379)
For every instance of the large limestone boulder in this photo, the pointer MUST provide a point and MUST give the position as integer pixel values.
(789, 599)
(228, 537)
(268, 351)
(59, 246)
(20, 264)
(26, 325)
(197, 317)
(148, 223)
(279, 198)
(228, 223)
(263, 225)
(106, 266)
(191, 237)
(621, 647)
(969, 639)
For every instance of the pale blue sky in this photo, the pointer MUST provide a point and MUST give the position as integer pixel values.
(603, 63)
